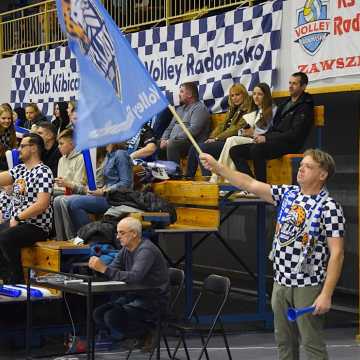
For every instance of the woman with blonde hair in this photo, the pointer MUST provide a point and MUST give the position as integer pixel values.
(7, 134)
(239, 104)
(256, 123)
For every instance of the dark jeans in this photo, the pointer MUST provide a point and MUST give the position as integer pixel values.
(259, 153)
(213, 148)
(12, 239)
(123, 319)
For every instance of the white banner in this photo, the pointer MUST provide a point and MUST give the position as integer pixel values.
(325, 37)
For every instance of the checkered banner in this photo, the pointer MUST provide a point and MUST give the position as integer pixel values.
(44, 77)
(236, 46)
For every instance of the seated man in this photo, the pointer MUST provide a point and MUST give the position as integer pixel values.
(30, 212)
(195, 116)
(290, 128)
(52, 154)
(138, 262)
(142, 145)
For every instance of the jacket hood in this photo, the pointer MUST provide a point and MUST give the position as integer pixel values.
(74, 154)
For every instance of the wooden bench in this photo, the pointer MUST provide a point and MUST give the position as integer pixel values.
(280, 171)
(197, 209)
(50, 254)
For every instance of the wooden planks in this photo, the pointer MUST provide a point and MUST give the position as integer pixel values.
(188, 192)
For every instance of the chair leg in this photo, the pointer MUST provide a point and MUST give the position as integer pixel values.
(225, 339)
(176, 349)
(167, 346)
(128, 355)
(185, 346)
(204, 349)
(226, 344)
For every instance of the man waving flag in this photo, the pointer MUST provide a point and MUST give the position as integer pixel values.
(117, 95)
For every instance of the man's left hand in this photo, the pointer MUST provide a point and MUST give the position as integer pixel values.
(322, 304)
(13, 222)
(96, 264)
(259, 139)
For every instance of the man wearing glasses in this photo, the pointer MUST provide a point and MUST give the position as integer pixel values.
(30, 211)
(307, 251)
(138, 262)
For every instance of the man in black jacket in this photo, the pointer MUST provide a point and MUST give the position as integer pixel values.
(290, 128)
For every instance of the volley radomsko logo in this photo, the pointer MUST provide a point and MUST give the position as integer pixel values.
(313, 25)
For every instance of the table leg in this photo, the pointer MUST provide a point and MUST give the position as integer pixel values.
(188, 273)
(28, 316)
(90, 346)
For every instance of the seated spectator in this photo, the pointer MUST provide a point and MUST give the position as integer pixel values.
(71, 167)
(72, 113)
(64, 227)
(256, 123)
(52, 154)
(7, 134)
(33, 117)
(161, 122)
(138, 262)
(61, 117)
(290, 128)
(117, 173)
(239, 104)
(194, 115)
(143, 145)
(71, 180)
(31, 212)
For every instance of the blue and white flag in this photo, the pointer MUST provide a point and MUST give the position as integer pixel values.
(117, 95)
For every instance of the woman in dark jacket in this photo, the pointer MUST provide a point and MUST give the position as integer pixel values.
(61, 117)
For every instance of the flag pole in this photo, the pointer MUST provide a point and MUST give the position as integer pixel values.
(186, 131)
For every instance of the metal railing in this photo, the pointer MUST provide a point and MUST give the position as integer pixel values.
(36, 26)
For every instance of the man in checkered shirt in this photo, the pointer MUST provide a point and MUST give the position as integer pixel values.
(31, 212)
(307, 252)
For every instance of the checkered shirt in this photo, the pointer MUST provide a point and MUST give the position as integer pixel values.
(329, 221)
(27, 185)
(5, 138)
(5, 205)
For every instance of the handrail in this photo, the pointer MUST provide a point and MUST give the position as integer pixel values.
(36, 26)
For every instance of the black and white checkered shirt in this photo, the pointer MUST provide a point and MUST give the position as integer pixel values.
(292, 239)
(27, 185)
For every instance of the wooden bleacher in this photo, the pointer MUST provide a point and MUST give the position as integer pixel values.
(196, 203)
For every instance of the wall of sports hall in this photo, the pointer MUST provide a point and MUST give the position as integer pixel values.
(337, 88)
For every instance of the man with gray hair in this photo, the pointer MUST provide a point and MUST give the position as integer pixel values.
(138, 262)
(307, 251)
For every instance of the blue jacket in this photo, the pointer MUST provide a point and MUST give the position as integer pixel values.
(118, 170)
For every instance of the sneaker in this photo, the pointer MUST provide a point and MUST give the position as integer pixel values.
(244, 194)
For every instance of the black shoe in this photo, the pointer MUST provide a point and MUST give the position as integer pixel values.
(133, 343)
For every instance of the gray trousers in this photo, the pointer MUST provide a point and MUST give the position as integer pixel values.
(63, 224)
(176, 149)
(307, 327)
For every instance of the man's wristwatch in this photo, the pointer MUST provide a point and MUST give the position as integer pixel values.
(16, 217)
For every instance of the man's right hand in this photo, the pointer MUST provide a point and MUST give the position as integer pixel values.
(96, 264)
